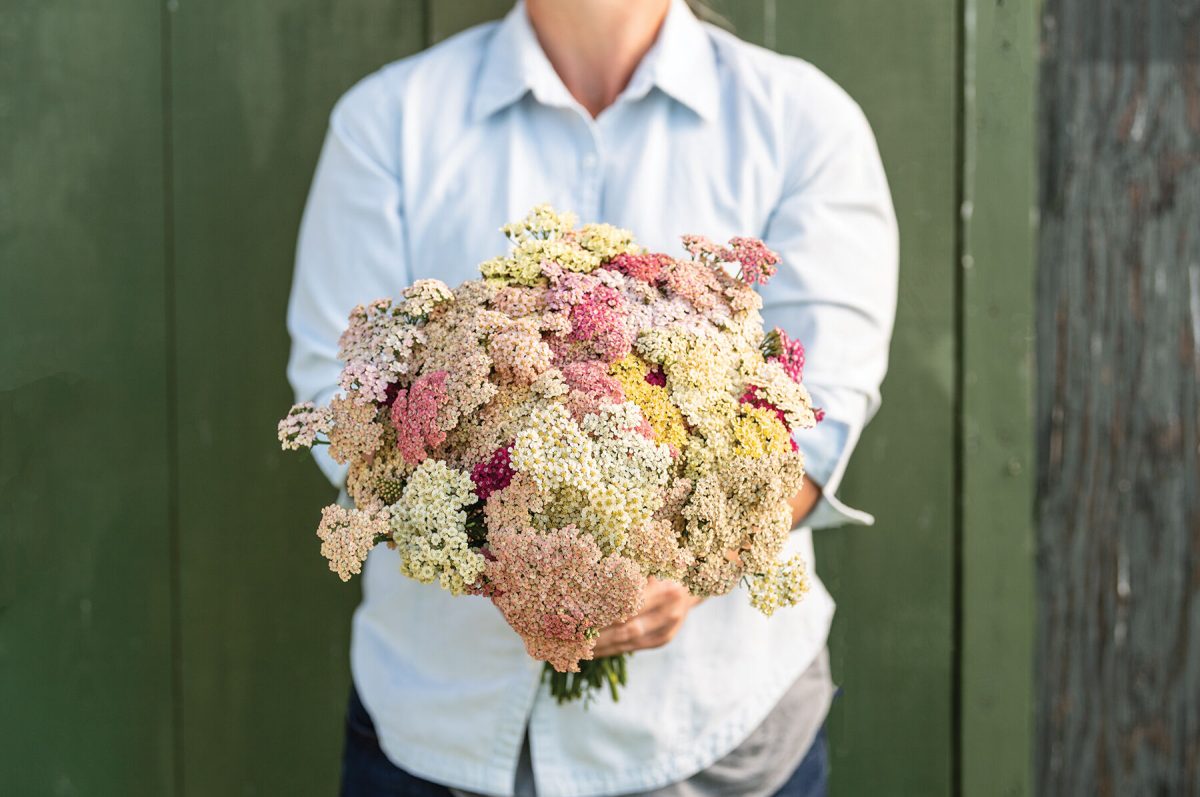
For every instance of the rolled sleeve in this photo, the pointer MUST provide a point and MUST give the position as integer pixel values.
(835, 228)
(827, 449)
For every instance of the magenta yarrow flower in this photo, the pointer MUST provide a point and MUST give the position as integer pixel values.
(791, 356)
(494, 473)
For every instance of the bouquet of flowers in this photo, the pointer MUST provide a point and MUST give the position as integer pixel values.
(585, 416)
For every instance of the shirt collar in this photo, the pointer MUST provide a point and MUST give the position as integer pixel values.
(681, 63)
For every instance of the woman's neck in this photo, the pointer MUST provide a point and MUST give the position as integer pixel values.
(595, 45)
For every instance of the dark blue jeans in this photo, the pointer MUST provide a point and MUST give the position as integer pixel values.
(367, 772)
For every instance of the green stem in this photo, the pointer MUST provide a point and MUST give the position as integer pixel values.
(593, 675)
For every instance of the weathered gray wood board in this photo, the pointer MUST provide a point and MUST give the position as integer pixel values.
(1119, 370)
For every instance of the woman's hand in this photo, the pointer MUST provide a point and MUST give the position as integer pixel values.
(667, 605)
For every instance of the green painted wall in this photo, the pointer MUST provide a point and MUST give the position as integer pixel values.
(160, 611)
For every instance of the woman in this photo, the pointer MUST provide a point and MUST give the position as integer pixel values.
(631, 112)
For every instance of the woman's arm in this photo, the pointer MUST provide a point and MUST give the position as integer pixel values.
(835, 229)
(352, 243)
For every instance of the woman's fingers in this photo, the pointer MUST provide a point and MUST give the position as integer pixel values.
(655, 626)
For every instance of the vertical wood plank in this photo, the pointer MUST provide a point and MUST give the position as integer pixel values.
(446, 19)
(85, 620)
(892, 728)
(265, 626)
(1118, 398)
(997, 609)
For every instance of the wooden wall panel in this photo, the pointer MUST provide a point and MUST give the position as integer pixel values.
(149, 323)
(85, 605)
(446, 19)
(1119, 399)
(264, 624)
(892, 644)
(996, 613)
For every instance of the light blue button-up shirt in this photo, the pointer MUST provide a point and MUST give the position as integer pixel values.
(423, 162)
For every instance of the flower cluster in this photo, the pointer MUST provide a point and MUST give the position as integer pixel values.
(585, 416)
(347, 536)
(302, 425)
(556, 587)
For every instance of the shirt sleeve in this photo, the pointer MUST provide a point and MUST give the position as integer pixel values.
(835, 229)
(351, 248)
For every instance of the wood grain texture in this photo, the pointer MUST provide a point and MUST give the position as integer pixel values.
(85, 620)
(996, 561)
(1119, 391)
(265, 628)
(892, 643)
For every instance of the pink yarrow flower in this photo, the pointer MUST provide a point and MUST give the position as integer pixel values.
(706, 250)
(791, 357)
(758, 262)
(414, 416)
(647, 267)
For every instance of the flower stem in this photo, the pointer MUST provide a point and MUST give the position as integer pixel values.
(593, 675)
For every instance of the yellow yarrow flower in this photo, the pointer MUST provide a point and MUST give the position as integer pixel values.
(757, 432)
(655, 402)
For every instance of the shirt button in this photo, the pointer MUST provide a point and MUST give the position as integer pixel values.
(589, 161)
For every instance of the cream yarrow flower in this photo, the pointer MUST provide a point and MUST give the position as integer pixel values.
(542, 221)
(782, 584)
(424, 296)
(429, 526)
(347, 536)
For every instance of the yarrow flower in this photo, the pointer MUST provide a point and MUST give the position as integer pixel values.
(423, 297)
(758, 262)
(557, 590)
(355, 433)
(706, 251)
(414, 415)
(347, 536)
(493, 474)
(301, 426)
(584, 416)
(429, 524)
(789, 353)
(364, 382)
(783, 584)
(647, 268)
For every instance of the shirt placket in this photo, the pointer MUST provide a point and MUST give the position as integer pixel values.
(590, 190)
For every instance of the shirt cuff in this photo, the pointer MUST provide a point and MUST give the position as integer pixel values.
(826, 449)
